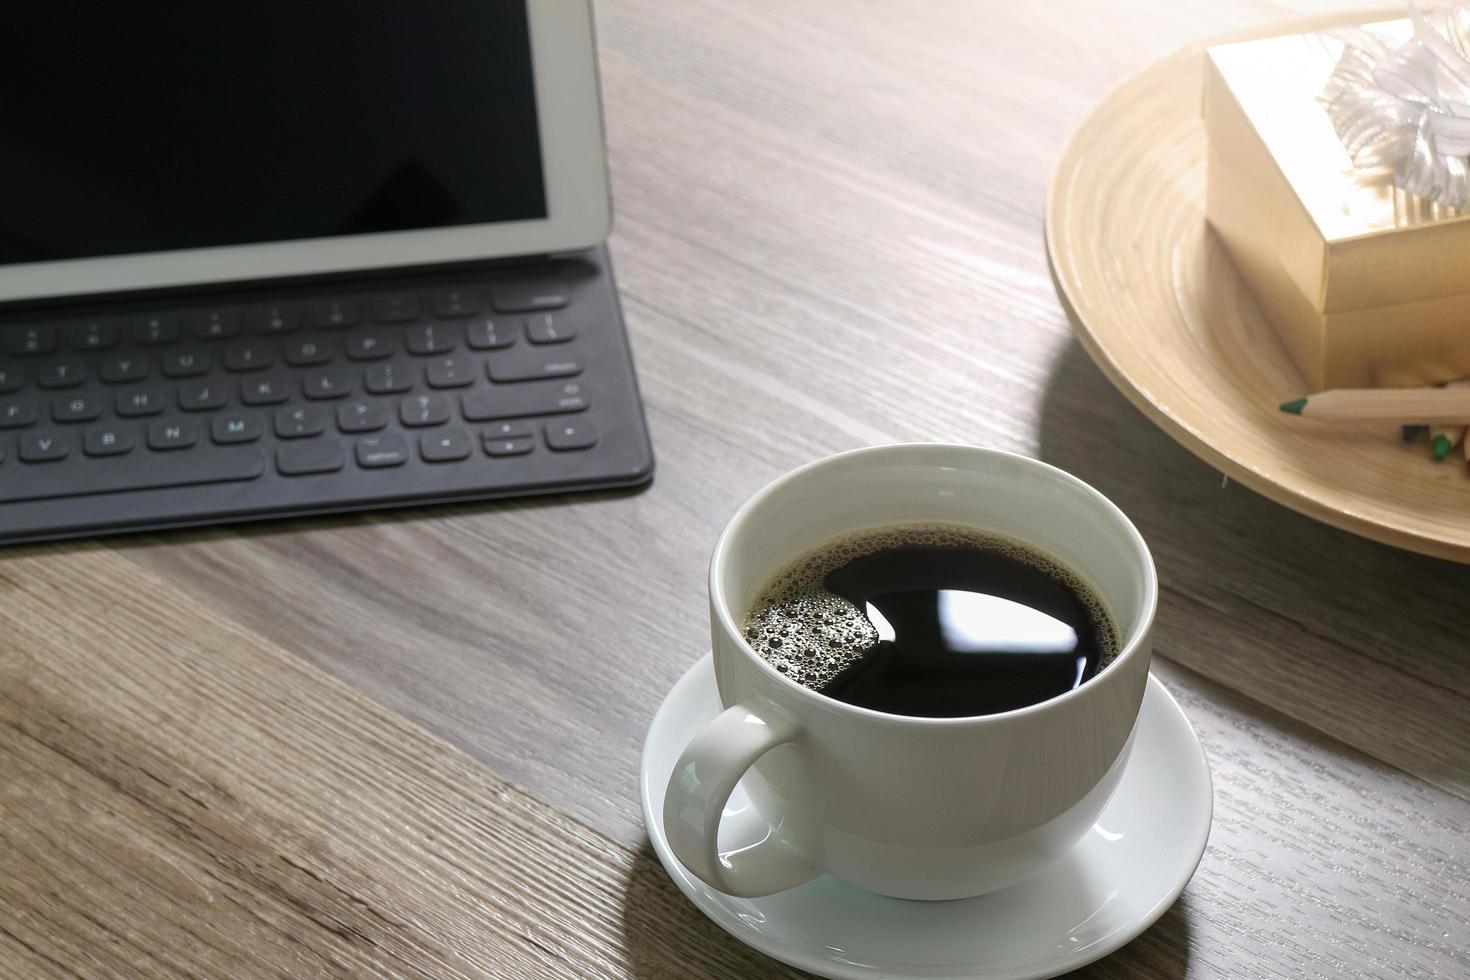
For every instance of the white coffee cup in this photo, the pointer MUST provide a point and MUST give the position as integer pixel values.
(927, 808)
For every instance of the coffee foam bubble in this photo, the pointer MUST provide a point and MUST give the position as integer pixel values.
(812, 635)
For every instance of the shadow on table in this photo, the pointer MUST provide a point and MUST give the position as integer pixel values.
(1088, 428)
(272, 527)
(1233, 547)
(664, 935)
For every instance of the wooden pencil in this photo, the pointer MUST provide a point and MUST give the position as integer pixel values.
(1442, 406)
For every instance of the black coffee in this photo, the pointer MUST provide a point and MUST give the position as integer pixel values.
(933, 620)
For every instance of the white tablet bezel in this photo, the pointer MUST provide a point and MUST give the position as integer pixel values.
(579, 210)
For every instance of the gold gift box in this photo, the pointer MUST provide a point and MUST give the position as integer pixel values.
(1366, 285)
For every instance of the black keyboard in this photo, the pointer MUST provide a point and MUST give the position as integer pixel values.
(451, 385)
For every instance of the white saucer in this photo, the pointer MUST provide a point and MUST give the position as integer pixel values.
(1119, 879)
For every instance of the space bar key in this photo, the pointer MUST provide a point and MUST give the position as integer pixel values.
(81, 475)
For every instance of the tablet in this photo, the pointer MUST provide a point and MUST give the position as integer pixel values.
(151, 146)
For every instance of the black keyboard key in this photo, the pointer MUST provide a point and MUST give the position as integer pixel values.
(487, 334)
(508, 430)
(26, 341)
(216, 324)
(167, 434)
(62, 374)
(396, 308)
(76, 408)
(249, 356)
(431, 338)
(275, 318)
(236, 427)
(568, 434)
(519, 401)
(458, 301)
(509, 447)
(304, 353)
(265, 391)
(117, 368)
(521, 297)
(109, 441)
(369, 345)
(92, 335)
(152, 330)
(140, 401)
(547, 328)
(534, 363)
(12, 376)
(445, 446)
(15, 414)
(388, 379)
(311, 457)
(44, 447)
(361, 416)
(327, 384)
(204, 465)
(185, 363)
(301, 422)
(335, 313)
(388, 449)
(450, 372)
(417, 410)
(201, 396)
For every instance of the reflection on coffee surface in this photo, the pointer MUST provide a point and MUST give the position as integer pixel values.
(931, 620)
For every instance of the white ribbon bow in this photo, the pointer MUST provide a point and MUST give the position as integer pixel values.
(1408, 107)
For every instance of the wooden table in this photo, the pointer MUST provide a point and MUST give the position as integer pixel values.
(407, 743)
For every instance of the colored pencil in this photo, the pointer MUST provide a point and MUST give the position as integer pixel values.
(1443, 438)
(1444, 406)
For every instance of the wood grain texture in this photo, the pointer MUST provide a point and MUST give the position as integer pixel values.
(829, 234)
(180, 798)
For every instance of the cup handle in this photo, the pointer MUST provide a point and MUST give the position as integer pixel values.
(701, 785)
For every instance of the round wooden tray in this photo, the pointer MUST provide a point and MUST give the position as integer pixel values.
(1156, 302)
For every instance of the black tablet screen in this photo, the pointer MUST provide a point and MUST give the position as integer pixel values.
(144, 127)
